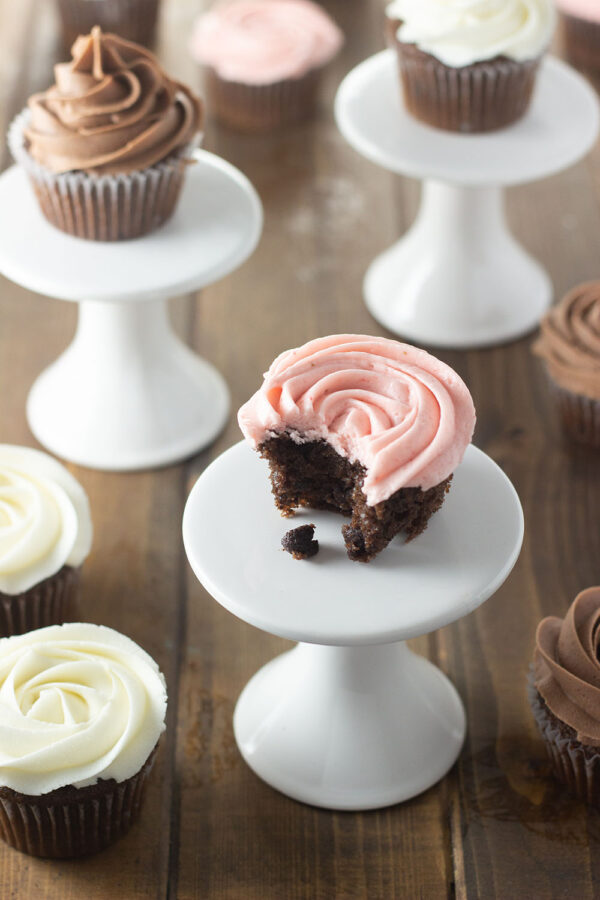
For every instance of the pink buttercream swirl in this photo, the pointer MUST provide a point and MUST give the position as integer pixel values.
(404, 415)
(265, 41)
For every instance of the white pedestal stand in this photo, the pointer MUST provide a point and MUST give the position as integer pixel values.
(127, 393)
(458, 278)
(350, 718)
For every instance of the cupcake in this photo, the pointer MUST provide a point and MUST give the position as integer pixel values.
(364, 426)
(469, 67)
(81, 710)
(263, 60)
(581, 32)
(569, 345)
(564, 692)
(133, 20)
(45, 535)
(107, 146)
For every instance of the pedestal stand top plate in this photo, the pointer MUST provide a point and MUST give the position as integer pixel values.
(559, 128)
(215, 227)
(232, 534)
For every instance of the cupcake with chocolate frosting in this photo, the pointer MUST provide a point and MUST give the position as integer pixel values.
(82, 708)
(263, 60)
(564, 692)
(469, 65)
(45, 536)
(106, 147)
(569, 345)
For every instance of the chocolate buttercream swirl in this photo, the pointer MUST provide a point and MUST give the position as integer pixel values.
(570, 341)
(567, 665)
(113, 110)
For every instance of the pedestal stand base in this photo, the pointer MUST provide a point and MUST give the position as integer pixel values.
(127, 393)
(458, 278)
(350, 728)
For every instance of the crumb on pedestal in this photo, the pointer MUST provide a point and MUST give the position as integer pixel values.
(299, 542)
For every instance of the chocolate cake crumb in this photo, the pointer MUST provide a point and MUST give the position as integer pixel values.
(312, 474)
(299, 542)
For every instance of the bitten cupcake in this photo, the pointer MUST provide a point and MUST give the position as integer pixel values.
(133, 20)
(364, 426)
(564, 692)
(264, 60)
(469, 66)
(569, 345)
(45, 535)
(81, 710)
(107, 146)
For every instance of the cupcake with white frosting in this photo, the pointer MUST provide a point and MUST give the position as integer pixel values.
(263, 60)
(45, 535)
(82, 708)
(469, 65)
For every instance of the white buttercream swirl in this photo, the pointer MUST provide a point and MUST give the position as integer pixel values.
(44, 518)
(78, 702)
(463, 32)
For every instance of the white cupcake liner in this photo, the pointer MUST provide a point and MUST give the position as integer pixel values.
(103, 207)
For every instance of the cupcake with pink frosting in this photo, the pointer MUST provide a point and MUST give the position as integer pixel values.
(365, 426)
(581, 32)
(263, 60)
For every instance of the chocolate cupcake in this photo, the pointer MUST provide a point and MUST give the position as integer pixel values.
(564, 692)
(569, 344)
(364, 426)
(469, 67)
(133, 20)
(107, 146)
(581, 32)
(263, 60)
(81, 710)
(45, 535)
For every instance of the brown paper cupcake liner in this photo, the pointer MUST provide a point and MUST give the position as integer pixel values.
(582, 42)
(103, 207)
(575, 764)
(264, 107)
(482, 97)
(579, 415)
(134, 20)
(51, 602)
(70, 821)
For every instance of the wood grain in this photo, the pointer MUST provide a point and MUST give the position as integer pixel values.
(497, 826)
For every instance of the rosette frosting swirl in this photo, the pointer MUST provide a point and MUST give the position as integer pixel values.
(567, 665)
(265, 41)
(463, 32)
(569, 341)
(44, 518)
(403, 414)
(112, 110)
(78, 702)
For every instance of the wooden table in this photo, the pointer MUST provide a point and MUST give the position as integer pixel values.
(498, 825)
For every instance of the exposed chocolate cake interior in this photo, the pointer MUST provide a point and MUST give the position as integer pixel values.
(313, 474)
(299, 542)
